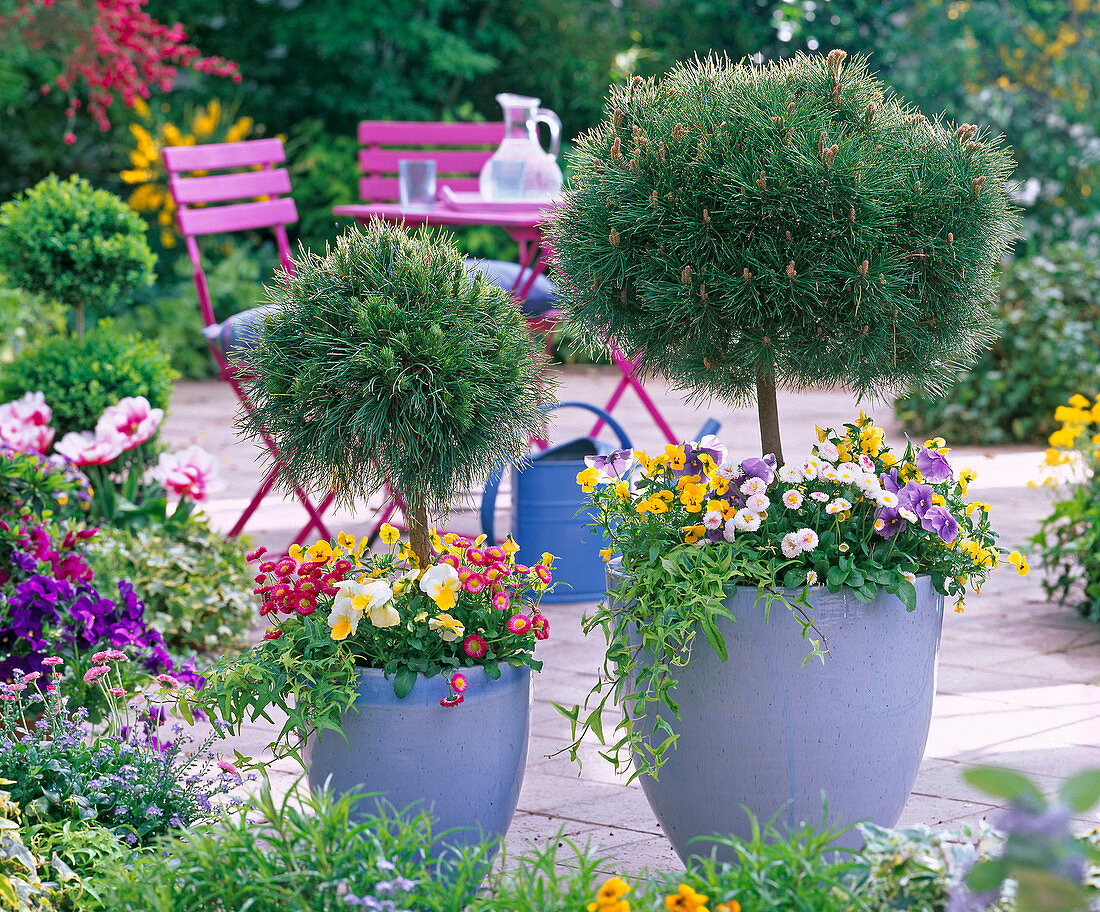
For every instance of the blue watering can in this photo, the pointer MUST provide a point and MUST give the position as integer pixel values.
(546, 500)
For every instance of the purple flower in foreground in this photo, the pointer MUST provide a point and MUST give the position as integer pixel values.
(937, 519)
(915, 497)
(933, 465)
(756, 467)
(613, 465)
(892, 522)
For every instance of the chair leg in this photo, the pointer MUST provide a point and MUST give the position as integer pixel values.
(315, 514)
(629, 380)
(261, 492)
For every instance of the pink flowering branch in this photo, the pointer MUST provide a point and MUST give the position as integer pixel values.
(111, 48)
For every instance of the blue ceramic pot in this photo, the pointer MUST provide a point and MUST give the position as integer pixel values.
(763, 732)
(463, 764)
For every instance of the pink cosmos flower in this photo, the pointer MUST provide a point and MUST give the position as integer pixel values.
(86, 449)
(188, 473)
(519, 623)
(133, 419)
(458, 682)
(475, 646)
(96, 671)
(168, 681)
(501, 600)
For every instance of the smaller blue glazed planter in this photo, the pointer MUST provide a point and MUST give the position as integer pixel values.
(463, 764)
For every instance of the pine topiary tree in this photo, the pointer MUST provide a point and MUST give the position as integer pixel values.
(386, 358)
(792, 224)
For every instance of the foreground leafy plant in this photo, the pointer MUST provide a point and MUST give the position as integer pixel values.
(312, 853)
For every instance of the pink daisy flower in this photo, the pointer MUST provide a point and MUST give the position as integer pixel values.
(96, 671)
(476, 557)
(819, 496)
(501, 601)
(458, 682)
(542, 573)
(450, 560)
(475, 646)
(272, 633)
(522, 569)
(495, 553)
(541, 626)
(519, 623)
(52, 660)
(451, 701)
(474, 583)
(117, 691)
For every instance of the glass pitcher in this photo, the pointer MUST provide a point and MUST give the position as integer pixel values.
(520, 169)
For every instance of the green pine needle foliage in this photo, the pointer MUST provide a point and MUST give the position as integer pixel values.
(793, 221)
(386, 357)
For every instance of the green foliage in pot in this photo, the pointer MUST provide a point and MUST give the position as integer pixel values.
(312, 853)
(80, 377)
(21, 871)
(195, 583)
(745, 227)
(74, 244)
(1048, 309)
(387, 359)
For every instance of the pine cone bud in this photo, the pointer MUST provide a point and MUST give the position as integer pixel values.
(916, 187)
(685, 276)
(616, 149)
(790, 107)
(789, 237)
(653, 200)
(762, 182)
(678, 131)
(872, 109)
(747, 276)
(852, 211)
(614, 238)
(706, 218)
(976, 184)
(777, 121)
(661, 152)
(863, 267)
(618, 119)
(634, 84)
(791, 271)
(634, 162)
(836, 60)
(703, 292)
(950, 238)
(787, 138)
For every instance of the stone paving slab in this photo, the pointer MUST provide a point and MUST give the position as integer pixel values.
(1019, 678)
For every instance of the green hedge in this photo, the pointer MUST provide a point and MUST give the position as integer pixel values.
(1049, 311)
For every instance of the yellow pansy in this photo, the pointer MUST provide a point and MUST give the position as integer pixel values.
(548, 560)
(510, 548)
(441, 584)
(388, 534)
(965, 477)
(623, 490)
(718, 484)
(610, 897)
(685, 899)
(1019, 562)
(1067, 415)
(437, 542)
(448, 627)
(888, 459)
(606, 553)
(692, 534)
(587, 479)
(1065, 437)
(822, 433)
(692, 497)
(676, 457)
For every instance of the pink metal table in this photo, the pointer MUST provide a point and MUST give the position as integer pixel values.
(525, 227)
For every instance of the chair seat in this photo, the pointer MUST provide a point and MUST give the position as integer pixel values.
(235, 336)
(543, 296)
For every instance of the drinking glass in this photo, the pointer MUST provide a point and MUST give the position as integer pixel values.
(416, 184)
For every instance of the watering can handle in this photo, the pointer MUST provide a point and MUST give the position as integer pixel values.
(492, 483)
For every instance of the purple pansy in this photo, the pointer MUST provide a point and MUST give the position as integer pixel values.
(893, 522)
(757, 467)
(915, 497)
(933, 465)
(613, 465)
(937, 519)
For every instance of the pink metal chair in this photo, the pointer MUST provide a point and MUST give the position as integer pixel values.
(459, 151)
(236, 187)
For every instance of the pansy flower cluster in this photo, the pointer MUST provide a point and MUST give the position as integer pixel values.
(474, 604)
(852, 513)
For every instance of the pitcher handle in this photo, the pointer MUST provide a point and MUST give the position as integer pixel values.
(548, 117)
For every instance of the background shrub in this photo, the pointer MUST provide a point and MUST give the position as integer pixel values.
(74, 244)
(1049, 309)
(80, 377)
(196, 585)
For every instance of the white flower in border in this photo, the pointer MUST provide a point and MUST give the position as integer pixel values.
(751, 486)
(908, 514)
(840, 505)
(790, 545)
(867, 464)
(810, 468)
(811, 577)
(726, 470)
(792, 499)
(712, 520)
(819, 496)
(807, 539)
(912, 577)
(886, 499)
(729, 530)
(845, 476)
(827, 472)
(746, 521)
(827, 450)
(758, 503)
(791, 474)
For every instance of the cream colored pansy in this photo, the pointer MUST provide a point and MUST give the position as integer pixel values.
(345, 615)
(373, 599)
(441, 584)
(448, 627)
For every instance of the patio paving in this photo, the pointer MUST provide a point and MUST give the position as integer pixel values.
(1019, 678)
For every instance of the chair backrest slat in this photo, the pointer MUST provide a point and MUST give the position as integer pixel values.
(458, 149)
(238, 217)
(215, 156)
(219, 188)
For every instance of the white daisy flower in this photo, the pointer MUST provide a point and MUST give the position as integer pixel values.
(908, 514)
(729, 530)
(809, 468)
(840, 505)
(746, 521)
(807, 539)
(792, 499)
(880, 524)
(827, 450)
(790, 474)
(912, 577)
(843, 548)
(790, 545)
(758, 503)
(712, 520)
(827, 472)
(849, 467)
(868, 484)
(867, 464)
(752, 486)
(726, 470)
(845, 476)
(886, 499)
(819, 496)
(811, 578)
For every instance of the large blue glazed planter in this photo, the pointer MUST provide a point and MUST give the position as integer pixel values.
(764, 733)
(463, 764)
